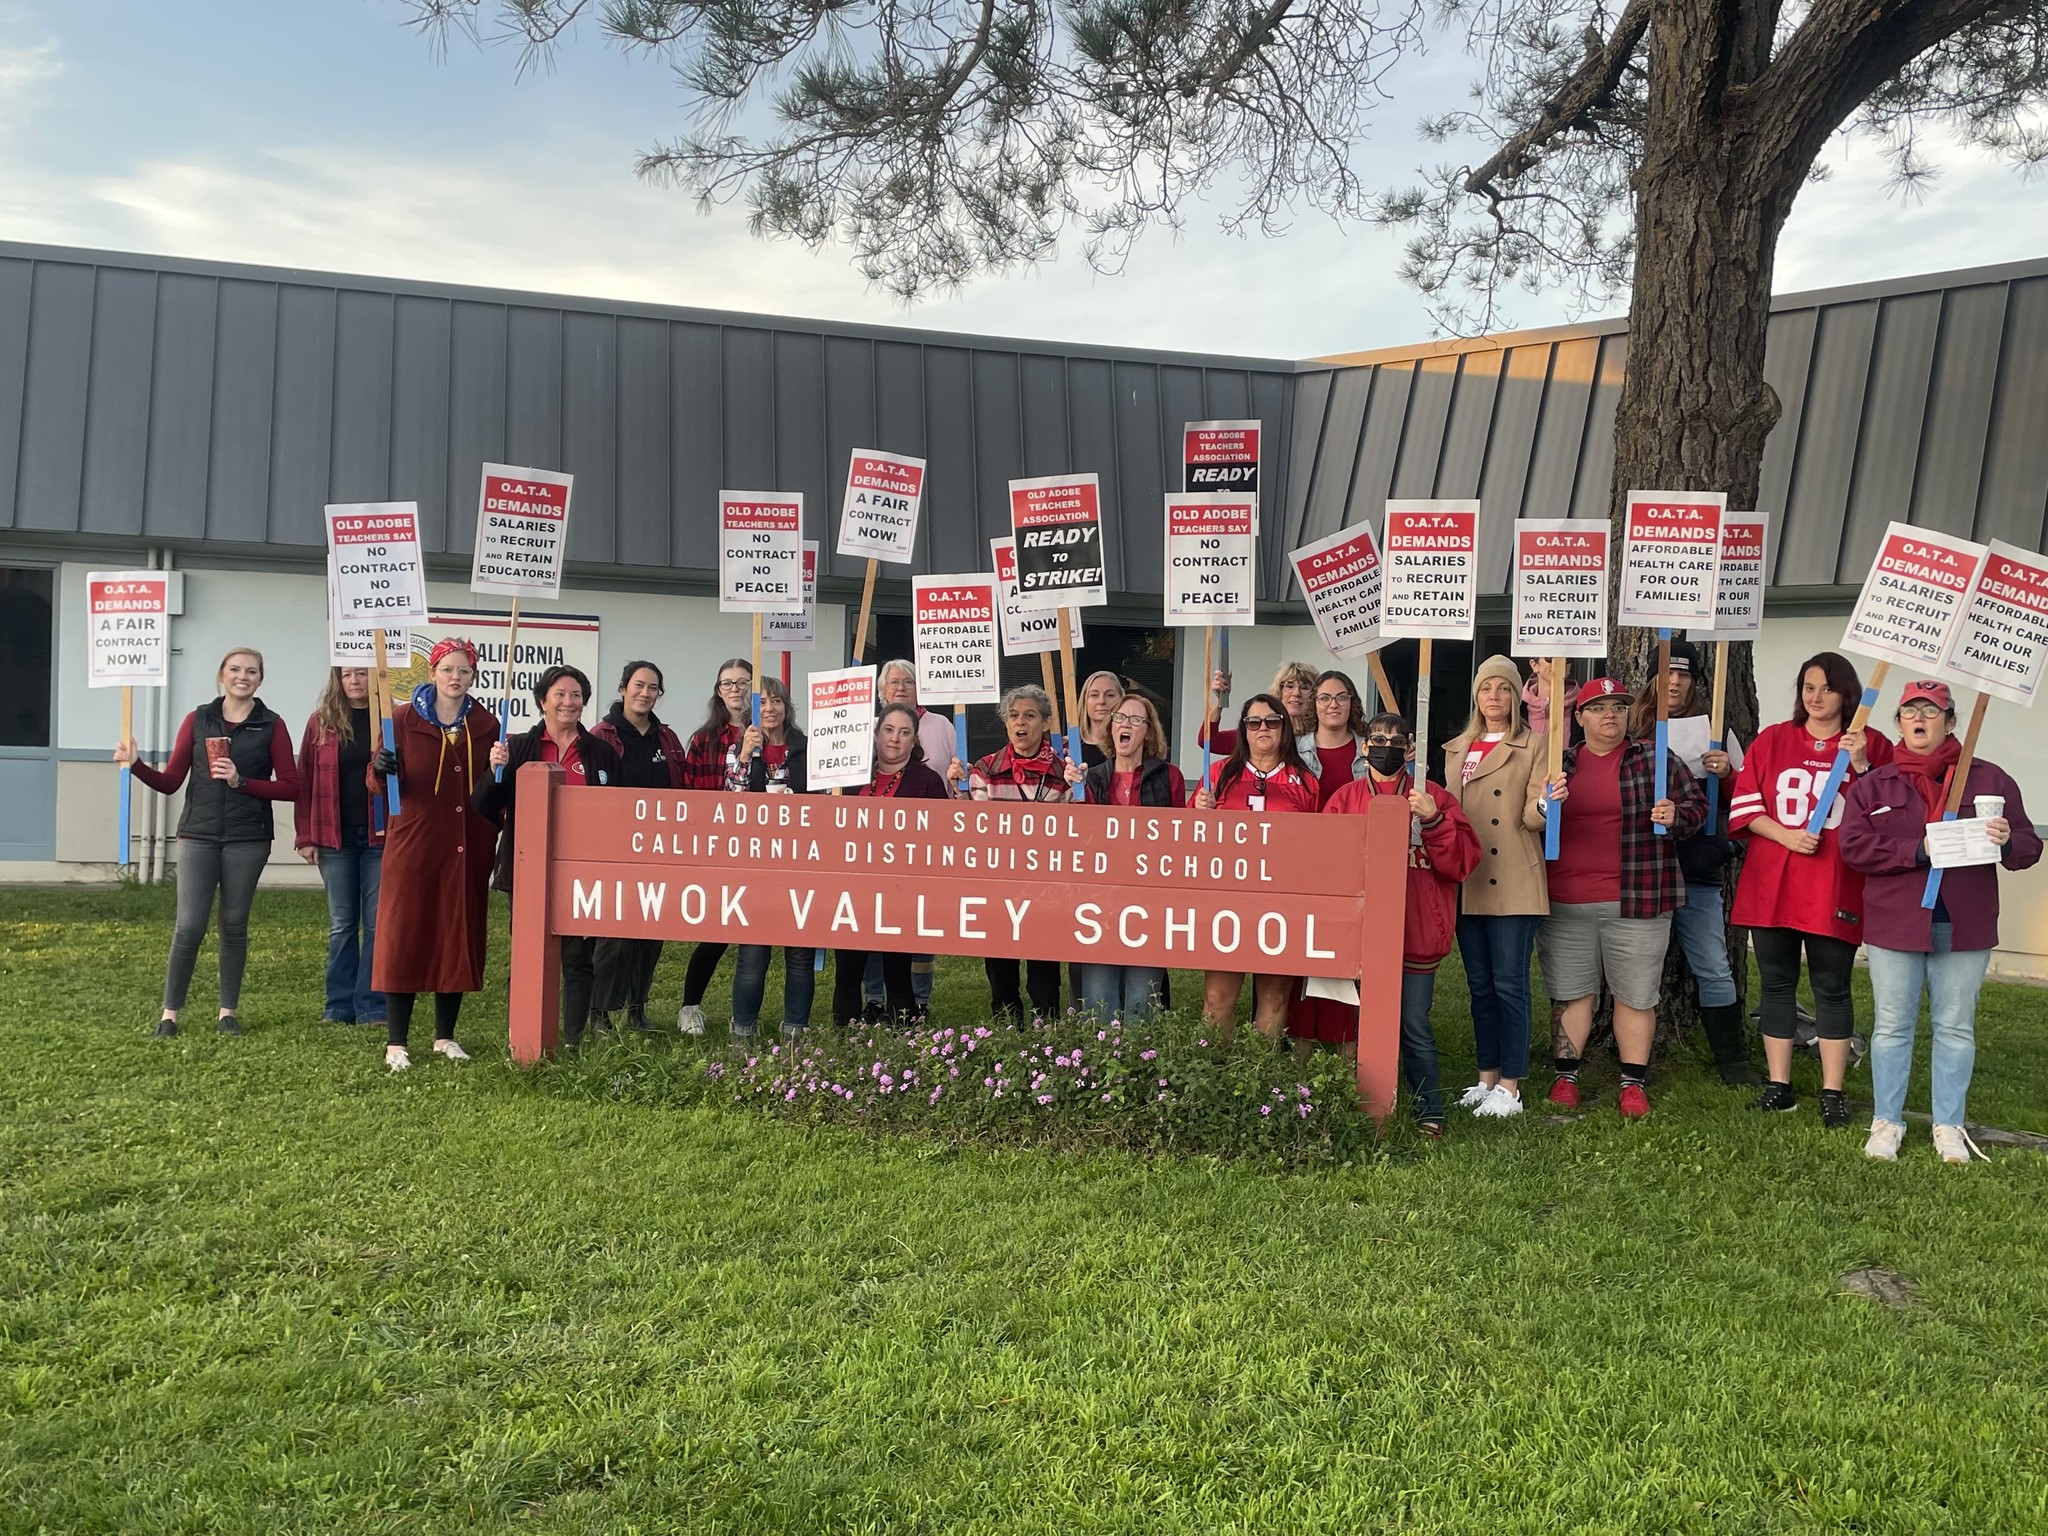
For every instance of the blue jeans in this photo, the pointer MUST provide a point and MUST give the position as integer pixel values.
(1418, 1046)
(351, 874)
(1496, 953)
(1118, 991)
(871, 990)
(1702, 933)
(750, 981)
(1952, 980)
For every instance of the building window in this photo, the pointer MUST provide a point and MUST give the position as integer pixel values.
(27, 608)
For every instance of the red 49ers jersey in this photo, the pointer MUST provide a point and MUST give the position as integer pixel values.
(1782, 778)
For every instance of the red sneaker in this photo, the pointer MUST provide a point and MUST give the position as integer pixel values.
(1564, 1093)
(1635, 1103)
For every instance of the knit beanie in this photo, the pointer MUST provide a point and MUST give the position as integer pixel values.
(1500, 667)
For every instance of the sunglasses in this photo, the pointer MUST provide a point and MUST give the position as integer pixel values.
(1263, 722)
(1386, 741)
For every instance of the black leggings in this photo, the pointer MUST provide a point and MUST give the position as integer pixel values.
(625, 974)
(697, 976)
(203, 868)
(1041, 983)
(1829, 962)
(849, 966)
(398, 1016)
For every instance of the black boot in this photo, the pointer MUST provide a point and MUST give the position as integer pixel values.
(1725, 1038)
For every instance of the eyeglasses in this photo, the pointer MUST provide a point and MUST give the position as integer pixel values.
(1333, 698)
(1921, 712)
(1604, 706)
(1263, 722)
(1386, 741)
(1135, 722)
(732, 685)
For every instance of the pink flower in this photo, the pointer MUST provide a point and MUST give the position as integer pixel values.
(1265, 1109)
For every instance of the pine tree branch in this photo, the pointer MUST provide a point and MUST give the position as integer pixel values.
(1590, 88)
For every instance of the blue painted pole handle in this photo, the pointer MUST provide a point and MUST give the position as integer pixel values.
(1932, 894)
(1832, 786)
(391, 745)
(960, 743)
(1074, 757)
(1713, 787)
(1663, 772)
(1553, 821)
(127, 825)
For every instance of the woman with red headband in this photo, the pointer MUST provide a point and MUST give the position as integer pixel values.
(434, 908)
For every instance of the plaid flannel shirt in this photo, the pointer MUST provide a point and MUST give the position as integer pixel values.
(704, 758)
(1651, 883)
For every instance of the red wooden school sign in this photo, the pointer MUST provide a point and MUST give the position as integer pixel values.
(1289, 895)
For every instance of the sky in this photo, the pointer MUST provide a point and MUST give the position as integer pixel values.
(325, 134)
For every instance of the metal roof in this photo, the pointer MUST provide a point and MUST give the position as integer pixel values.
(175, 401)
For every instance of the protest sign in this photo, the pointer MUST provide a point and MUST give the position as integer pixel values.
(522, 529)
(1341, 577)
(1026, 631)
(128, 629)
(954, 624)
(1432, 570)
(841, 747)
(1209, 567)
(878, 519)
(797, 631)
(1057, 523)
(1912, 596)
(375, 549)
(1222, 456)
(1560, 587)
(1739, 581)
(760, 552)
(1670, 550)
(1998, 642)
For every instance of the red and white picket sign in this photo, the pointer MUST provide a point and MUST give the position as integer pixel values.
(1432, 584)
(1912, 597)
(1057, 522)
(797, 631)
(1559, 587)
(2000, 638)
(1210, 547)
(1222, 456)
(1739, 578)
(761, 552)
(1670, 555)
(954, 629)
(1341, 576)
(128, 629)
(522, 531)
(378, 578)
(1027, 631)
(884, 493)
(839, 750)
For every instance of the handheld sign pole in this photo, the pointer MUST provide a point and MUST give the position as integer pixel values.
(1073, 709)
(1961, 773)
(1209, 694)
(1717, 734)
(1422, 665)
(867, 607)
(1552, 821)
(1052, 687)
(1832, 786)
(1663, 722)
(960, 742)
(1381, 681)
(505, 713)
(127, 733)
(757, 671)
(380, 685)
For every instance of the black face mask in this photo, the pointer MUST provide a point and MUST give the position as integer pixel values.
(1386, 761)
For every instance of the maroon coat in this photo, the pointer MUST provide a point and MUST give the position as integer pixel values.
(433, 911)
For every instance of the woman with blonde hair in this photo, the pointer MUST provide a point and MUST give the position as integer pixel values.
(1136, 773)
(1294, 685)
(341, 834)
(1495, 768)
(1101, 692)
(225, 830)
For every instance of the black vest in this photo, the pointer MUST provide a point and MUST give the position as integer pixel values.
(1155, 785)
(215, 813)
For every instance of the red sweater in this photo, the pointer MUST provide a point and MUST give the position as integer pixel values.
(1441, 854)
(1285, 789)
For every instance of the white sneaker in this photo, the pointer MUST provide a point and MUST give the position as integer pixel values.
(1885, 1136)
(1954, 1144)
(397, 1058)
(1499, 1104)
(1472, 1096)
(690, 1019)
(451, 1050)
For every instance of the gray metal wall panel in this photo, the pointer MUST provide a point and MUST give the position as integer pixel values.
(180, 407)
(365, 347)
(1133, 498)
(533, 393)
(1959, 407)
(1817, 508)
(53, 409)
(1183, 397)
(421, 409)
(1271, 401)
(800, 427)
(1379, 445)
(1352, 397)
(1517, 407)
(1422, 437)
(2014, 500)
(479, 409)
(1092, 431)
(1463, 463)
(997, 423)
(1593, 489)
(1304, 447)
(117, 404)
(959, 501)
(849, 424)
(1561, 432)
(748, 370)
(244, 412)
(899, 398)
(590, 433)
(697, 453)
(1226, 396)
(643, 410)
(1788, 360)
(1888, 442)
(301, 438)
(1042, 402)
(17, 280)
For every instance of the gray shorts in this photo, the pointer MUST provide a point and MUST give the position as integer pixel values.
(1582, 942)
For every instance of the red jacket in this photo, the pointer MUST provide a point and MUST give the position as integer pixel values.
(1441, 853)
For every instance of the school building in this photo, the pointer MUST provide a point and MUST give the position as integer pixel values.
(197, 416)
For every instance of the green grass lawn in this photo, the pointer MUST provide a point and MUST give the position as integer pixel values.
(260, 1285)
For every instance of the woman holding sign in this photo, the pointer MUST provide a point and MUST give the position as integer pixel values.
(340, 834)
(1795, 892)
(1335, 752)
(435, 899)
(650, 757)
(1613, 888)
(707, 761)
(1265, 773)
(901, 773)
(225, 830)
(1499, 767)
(1701, 924)
(1136, 773)
(1026, 767)
(1943, 950)
(771, 758)
(1294, 685)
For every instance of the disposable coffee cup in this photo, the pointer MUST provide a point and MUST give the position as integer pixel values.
(1989, 806)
